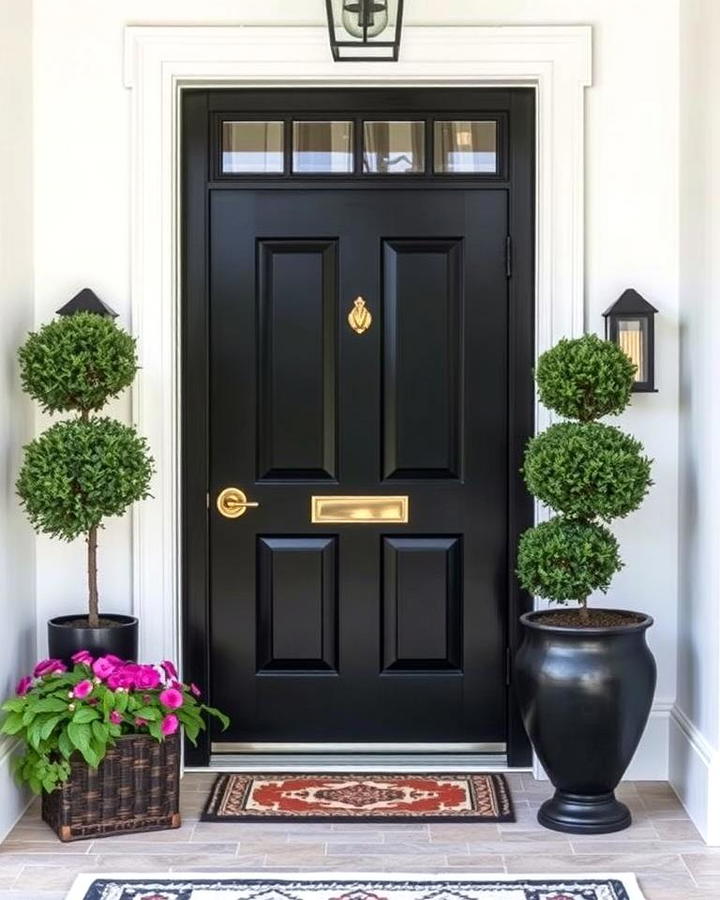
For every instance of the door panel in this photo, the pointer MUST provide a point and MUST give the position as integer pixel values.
(373, 632)
(297, 308)
(422, 306)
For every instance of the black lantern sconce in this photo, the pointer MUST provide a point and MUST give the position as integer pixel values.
(87, 301)
(364, 30)
(630, 323)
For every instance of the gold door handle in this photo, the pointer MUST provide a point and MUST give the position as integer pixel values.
(232, 503)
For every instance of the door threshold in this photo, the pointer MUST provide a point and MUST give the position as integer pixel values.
(358, 762)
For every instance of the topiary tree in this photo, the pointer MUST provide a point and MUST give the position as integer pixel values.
(589, 473)
(81, 470)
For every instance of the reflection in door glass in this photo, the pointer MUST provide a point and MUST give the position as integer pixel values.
(394, 148)
(465, 147)
(252, 147)
(322, 147)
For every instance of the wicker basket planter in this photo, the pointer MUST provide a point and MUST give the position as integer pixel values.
(136, 788)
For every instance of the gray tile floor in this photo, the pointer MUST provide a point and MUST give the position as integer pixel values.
(662, 847)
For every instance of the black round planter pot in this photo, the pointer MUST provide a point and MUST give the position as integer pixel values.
(585, 696)
(120, 639)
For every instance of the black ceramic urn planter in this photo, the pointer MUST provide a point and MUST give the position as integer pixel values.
(120, 638)
(585, 696)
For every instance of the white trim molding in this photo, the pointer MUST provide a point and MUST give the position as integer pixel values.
(161, 61)
(694, 769)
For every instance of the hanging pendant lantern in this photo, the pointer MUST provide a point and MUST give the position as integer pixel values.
(364, 30)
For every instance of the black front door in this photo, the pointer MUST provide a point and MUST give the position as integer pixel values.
(361, 346)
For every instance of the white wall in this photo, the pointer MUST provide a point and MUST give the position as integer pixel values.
(695, 737)
(81, 233)
(17, 547)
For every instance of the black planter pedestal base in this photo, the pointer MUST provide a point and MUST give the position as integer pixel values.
(584, 814)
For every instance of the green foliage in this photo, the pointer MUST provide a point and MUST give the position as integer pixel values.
(587, 470)
(585, 379)
(83, 712)
(77, 362)
(564, 559)
(78, 472)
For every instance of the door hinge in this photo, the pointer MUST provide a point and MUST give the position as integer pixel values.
(508, 257)
(508, 666)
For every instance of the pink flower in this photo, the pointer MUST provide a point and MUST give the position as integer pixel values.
(82, 657)
(169, 669)
(140, 722)
(172, 698)
(116, 717)
(147, 678)
(121, 678)
(82, 689)
(195, 690)
(23, 686)
(169, 725)
(48, 666)
(114, 660)
(104, 666)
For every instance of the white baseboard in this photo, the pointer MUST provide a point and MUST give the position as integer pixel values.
(651, 760)
(694, 774)
(13, 800)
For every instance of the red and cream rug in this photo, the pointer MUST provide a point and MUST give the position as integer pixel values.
(318, 797)
(227, 886)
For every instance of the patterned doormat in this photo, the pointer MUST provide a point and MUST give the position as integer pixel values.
(351, 798)
(349, 887)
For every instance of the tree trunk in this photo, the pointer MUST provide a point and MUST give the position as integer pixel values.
(93, 619)
(584, 614)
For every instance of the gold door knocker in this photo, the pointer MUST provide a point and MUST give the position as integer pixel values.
(359, 316)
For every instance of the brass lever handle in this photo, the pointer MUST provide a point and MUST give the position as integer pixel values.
(232, 503)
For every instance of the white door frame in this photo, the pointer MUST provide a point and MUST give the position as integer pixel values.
(160, 61)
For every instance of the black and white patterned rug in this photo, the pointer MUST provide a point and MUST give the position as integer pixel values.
(355, 887)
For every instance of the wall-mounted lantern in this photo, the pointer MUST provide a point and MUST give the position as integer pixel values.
(364, 30)
(87, 301)
(630, 323)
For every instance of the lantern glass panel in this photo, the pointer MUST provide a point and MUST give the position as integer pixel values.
(632, 336)
(365, 18)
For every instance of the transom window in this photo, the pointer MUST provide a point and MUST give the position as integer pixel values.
(372, 147)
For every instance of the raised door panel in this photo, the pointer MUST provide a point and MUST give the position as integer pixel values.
(297, 604)
(422, 358)
(422, 604)
(297, 300)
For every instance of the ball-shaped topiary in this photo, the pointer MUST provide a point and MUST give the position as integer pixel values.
(585, 379)
(587, 469)
(565, 560)
(77, 362)
(78, 472)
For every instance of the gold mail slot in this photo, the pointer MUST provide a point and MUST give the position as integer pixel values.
(358, 510)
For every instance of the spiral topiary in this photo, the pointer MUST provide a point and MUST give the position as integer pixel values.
(586, 471)
(81, 470)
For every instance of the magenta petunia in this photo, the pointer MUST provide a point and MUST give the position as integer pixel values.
(116, 717)
(48, 667)
(169, 724)
(195, 690)
(172, 698)
(122, 677)
(82, 657)
(147, 678)
(82, 689)
(114, 660)
(103, 667)
(23, 686)
(169, 668)
(140, 722)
